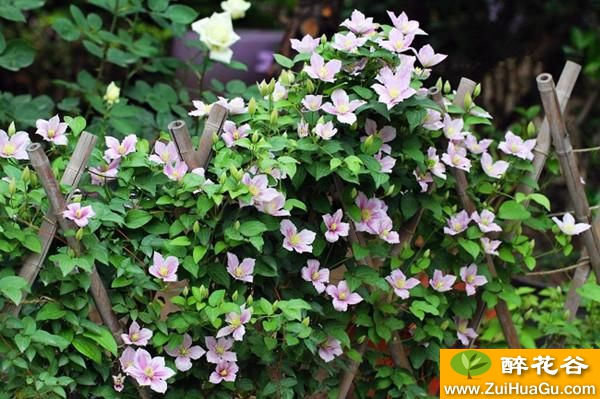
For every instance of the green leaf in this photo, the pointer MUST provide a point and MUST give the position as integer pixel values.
(180, 14)
(283, 61)
(512, 210)
(2, 43)
(136, 218)
(354, 163)
(66, 29)
(50, 311)
(32, 242)
(11, 13)
(76, 124)
(415, 116)
(104, 338)
(22, 342)
(541, 199)
(472, 248)
(590, 291)
(12, 286)
(45, 338)
(17, 55)
(158, 5)
(182, 241)
(87, 348)
(365, 93)
(216, 298)
(252, 228)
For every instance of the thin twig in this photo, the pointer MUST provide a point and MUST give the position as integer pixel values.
(592, 208)
(590, 149)
(582, 262)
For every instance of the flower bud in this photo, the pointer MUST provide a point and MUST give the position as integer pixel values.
(447, 87)
(390, 190)
(203, 291)
(263, 88)
(185, 291)
(12, 129)
(215, 138)
(477, 90)
(79, 234)
(12, 186)
(255, 137)
(235, 295)
(444, 324)
(26, 175)
(112, 94)
(252, 106)
(284, 78)
(439, 84)
(531, 129)
(361, 339)
(76, 198)
(468, 101)
(250, 300)
(33, 179)
(236, 225)
(310, 87)
(275, 305)
(353, 193)
(271, 86)
(196, 227)
(274, 117)
(306, 321)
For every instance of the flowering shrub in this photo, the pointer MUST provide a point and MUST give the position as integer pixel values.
(260, 275)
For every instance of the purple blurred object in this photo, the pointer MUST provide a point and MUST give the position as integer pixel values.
(255, 49)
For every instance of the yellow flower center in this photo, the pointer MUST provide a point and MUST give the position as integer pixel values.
(315, 276)
(165, 156)
(10, 149)
(399, 44)
(121, 149)
(236, 135)
(149, 372)
(135, 337)
(365, 214)
(343, 108)
(176, 174)
(163, 271)
(400, 283)
(394, 92)
(323, 72)
(451, 131)
(342, 295)
(333, 226)
(470, 279)
(457, 226)
(236, 322)
(456, 159)
(514, 147)
(239, 272)
(183, 351)
(253, 190)
(51, 133)
(224, 373)
(295, 239)
(78, 213)
(439, 284)
(220, 350)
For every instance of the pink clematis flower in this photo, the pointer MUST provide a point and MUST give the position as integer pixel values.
(117, 149)
(201, 109)
(385, 161)
(342, 107)
(453, 128)
(305, 46)
(105, 173)
(401, 284)
(441, 282)
(424, 179)
(348, 42)
(126, 358)
(476, 147)
(258, 188)
(371, 209)
(79, 214)
(514, 145)
(149, 371)
(434, 165)
(457, 223)
(164, 153)
(428, 58)
(464, 333)
(493, 169)
(433, 120)
(232, 133)
(273, 207)
(406, 26)
(240, 271)
(383, 228)
(279, 92)
(342, 297)
(164, 269)
(568, 226)
(14, 146)
(185, 353)
(490, 247)
(225, 371)
(294, 240)
(471, 279)
(236, 322)
(456, 156)
(312, 274)
(137, 336)
(335, 227)
(485, 221)
(325, 130)
(393, 88)
(219, 350)
(318, 69)
(359, 24)
(312, 103)
(397, 41)
(52, 130)
(118, 382)
(175, 171)
(303, 128)
(235, 106)
(330, 349)
(386, 134)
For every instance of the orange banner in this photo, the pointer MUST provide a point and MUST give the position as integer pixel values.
(533, 373)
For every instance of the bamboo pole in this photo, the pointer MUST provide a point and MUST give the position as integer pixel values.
(73, 172)
(41, 164)
(568, 164)
(506, 323)
(213, 126)
(183, 142)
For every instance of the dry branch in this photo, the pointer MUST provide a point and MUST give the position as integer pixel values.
(213, 125)
(568, 164)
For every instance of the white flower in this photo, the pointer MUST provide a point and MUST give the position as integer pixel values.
(568, 225)
(112, 94)
(217, 33)
(237, 8)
